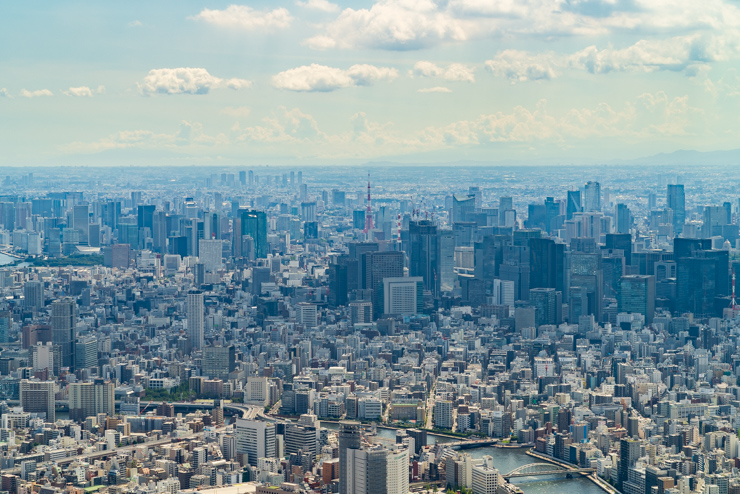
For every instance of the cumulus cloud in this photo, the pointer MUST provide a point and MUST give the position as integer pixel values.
(520, 66)
(135, 24)
(416, 24)
(35, 94)
(82, 91)
(437, 89)
(453, 72)
(317, 77)
(4, 93)
(323, 5)
(186, 80)
(247, 18)
(679, 54)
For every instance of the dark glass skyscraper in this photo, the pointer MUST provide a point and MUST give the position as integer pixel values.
(254, 224)
(546, 264)
(424, 254)
(349, 438)
(676, 200)
(64, 329)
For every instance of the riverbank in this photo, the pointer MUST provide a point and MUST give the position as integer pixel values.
(602, 484)
(392, 428)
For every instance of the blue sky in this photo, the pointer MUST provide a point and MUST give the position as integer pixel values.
(314, 81)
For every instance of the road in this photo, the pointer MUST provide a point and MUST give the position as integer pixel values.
(430, 407)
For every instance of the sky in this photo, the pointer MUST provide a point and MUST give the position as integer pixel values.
(316, 82)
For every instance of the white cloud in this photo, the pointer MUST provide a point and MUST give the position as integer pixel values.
(323, 5)
(79, 91)
(317, 77)
(520, 66)
(34, 94)
(4, 93)
(679, 54)
(186, 80)
(453, 72)
(100, 90)
(415, 24)
(247, 18)
(135, 24)
(236, 111)
(438, 89)
(394, 25)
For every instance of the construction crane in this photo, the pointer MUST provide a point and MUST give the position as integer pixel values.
(147, 406)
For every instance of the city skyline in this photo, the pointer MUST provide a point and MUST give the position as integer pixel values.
(315, 82)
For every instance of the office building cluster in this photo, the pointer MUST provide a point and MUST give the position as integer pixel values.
(267, 330)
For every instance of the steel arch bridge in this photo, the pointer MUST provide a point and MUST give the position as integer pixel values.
(541, 469)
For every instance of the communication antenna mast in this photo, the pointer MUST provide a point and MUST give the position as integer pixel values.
(369, 211)
(733, 304)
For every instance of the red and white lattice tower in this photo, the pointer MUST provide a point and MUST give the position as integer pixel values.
(369, 211)
(733, 304)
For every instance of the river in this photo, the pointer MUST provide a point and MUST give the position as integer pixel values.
(506, 460)
(6, 259)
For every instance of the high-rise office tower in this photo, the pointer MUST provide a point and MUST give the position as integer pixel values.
(379, 265)
(446, 244)
(403, 296)
(592, 197)
(81, 221)
(38, 396)
(676, 200)
(546, 264)
(623, 242)
(256, 439)
(574, 204)
(254, 224)
(33, 293)
(629, 452)
(64, 329)
(210, 254)
(623, 218)
(545, 300)
(159, 232)
(5, 326)
(196, 320)
(218, 361)
(424, 254)
(637, 295)
(86, 353)
(463, 206)
(145, 215)
(349, 441)
(587, 274)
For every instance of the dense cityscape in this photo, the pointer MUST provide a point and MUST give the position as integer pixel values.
(326, 330)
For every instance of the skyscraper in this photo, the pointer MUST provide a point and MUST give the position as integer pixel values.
(638, 295)
(623, 218)
(629, 452)
(254, 224)
(546, 264)
(592, 197)
(462, 206)
(5, 326)
(349, 440)
(256, 439)
(196, 322)
(676, 200)
(376, 266)
(424, 254)
(574, 204)
(33, 293)
(209, 253)
(87, 399)
(81, 221)
(64, 329)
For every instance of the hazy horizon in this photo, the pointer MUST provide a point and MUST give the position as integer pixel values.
(316, 82)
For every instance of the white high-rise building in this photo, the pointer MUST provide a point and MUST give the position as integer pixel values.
(209, 253)
(485, 477)
(43, 357)
(257, 391)
(402, 296)
(196, 320)
(306, 315)
(503, 292)
(256, 439)
(397, 471)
